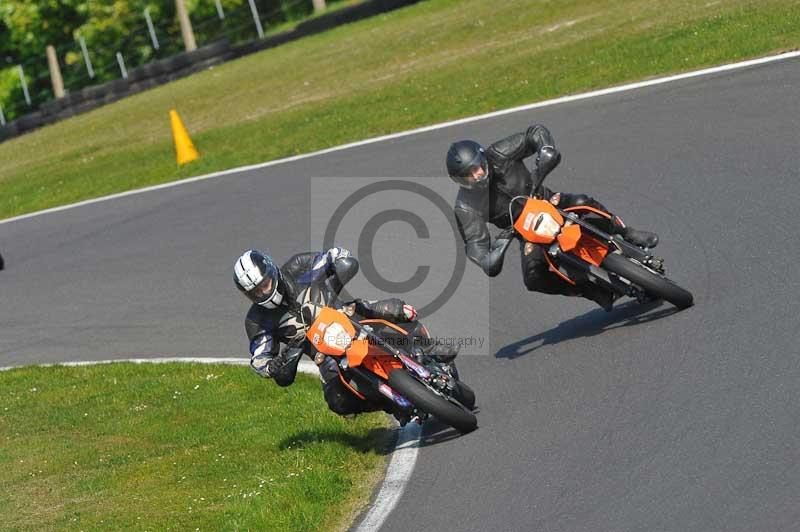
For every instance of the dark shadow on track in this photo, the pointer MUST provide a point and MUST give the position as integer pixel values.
(377, 440)
(590, 324)
(435, 432)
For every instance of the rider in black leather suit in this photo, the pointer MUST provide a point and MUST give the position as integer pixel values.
(489, 178)
(274, 317)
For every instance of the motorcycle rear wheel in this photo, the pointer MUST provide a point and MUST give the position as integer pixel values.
(651, 282)
(434, 404)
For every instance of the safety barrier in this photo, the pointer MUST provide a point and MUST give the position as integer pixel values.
(183, 64)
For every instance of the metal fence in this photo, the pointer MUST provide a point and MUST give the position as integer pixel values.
(153, 40)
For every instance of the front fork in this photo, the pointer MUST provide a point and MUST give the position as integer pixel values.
(597, 275)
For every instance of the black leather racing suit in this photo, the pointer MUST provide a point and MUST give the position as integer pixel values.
(267, 329)
(509, 177)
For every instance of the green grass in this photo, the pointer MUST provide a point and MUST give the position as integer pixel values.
(178, 447)
(434, 61)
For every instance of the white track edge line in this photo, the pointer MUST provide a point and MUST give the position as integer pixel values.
(305, 366)
(433, 127)
(404, 457)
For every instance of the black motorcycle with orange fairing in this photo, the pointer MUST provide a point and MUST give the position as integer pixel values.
(579, 251)
(378, 361)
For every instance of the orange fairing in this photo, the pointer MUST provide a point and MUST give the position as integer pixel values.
(377, 360)
(584, 246)
(539, 222)
(331, 333)
(569, 237)
(358, 350)
(381, 364)
(591, 250)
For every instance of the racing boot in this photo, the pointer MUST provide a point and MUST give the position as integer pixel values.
(644, 239)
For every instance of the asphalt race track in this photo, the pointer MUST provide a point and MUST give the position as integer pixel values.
(641, 419)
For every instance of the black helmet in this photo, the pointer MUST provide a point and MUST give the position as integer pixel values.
(465, 160)
(257, 277)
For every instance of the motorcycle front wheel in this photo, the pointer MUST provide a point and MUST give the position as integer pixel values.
(653, 283)
(428, 401)
(464, 395)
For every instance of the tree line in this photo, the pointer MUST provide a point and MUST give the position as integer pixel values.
(27, 27)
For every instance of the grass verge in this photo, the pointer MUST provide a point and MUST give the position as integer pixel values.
(178, 447)
(434, 61)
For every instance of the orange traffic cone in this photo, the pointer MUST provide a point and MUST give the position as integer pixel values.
(184, 149)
